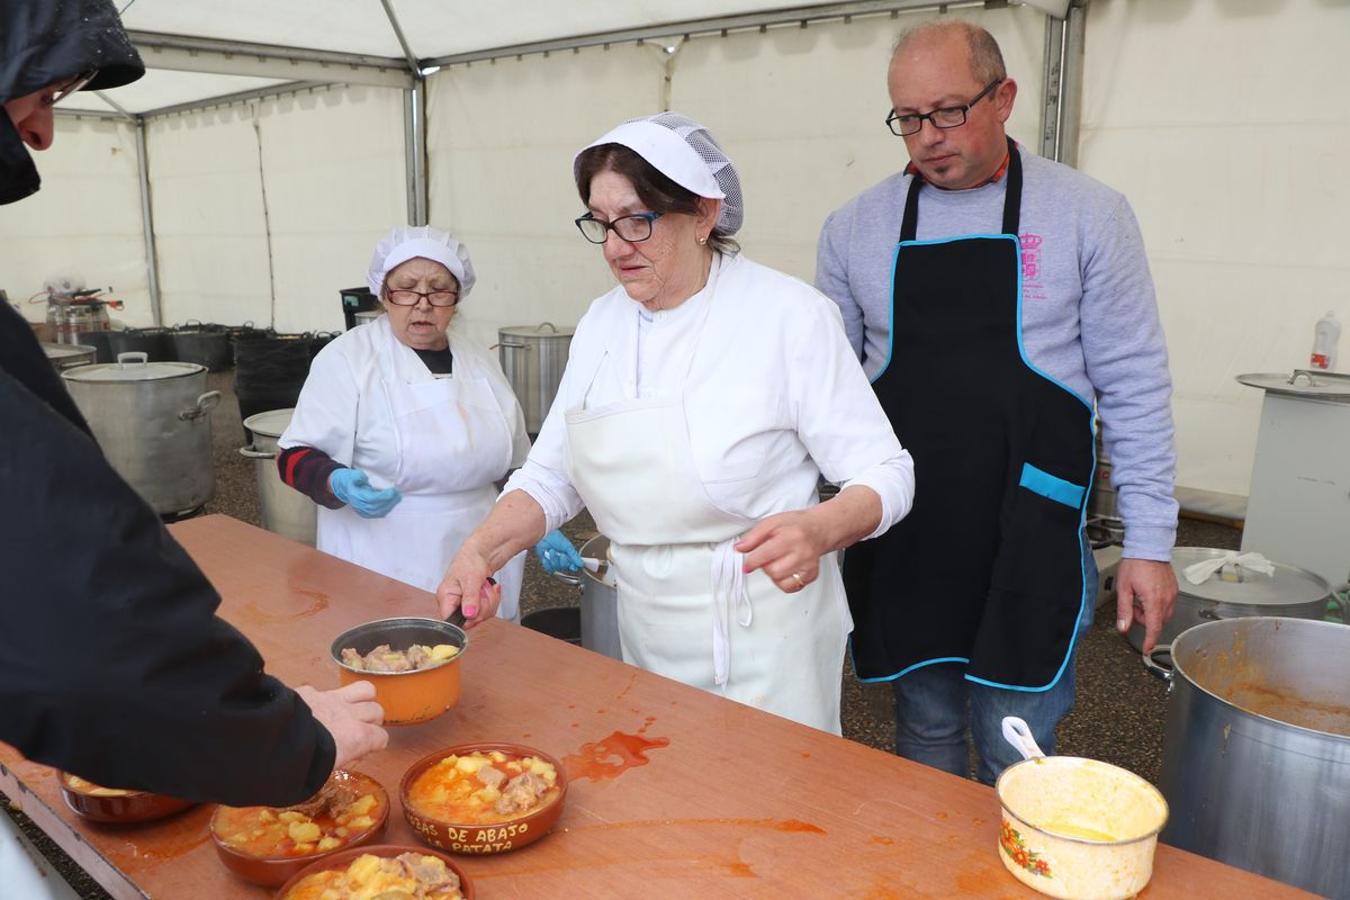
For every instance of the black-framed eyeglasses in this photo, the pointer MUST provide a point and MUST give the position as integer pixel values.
(943, 117)
(412, 298)
(634, 229)
(73, 85)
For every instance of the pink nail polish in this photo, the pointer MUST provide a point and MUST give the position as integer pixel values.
(470, 611)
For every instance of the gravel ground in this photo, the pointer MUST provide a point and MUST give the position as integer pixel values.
(1118, 716)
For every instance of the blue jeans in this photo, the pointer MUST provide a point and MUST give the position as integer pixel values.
(935, 705)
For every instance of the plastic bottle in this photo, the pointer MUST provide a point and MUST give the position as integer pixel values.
(1326, 334)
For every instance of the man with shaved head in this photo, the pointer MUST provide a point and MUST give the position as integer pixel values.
(1002, 305)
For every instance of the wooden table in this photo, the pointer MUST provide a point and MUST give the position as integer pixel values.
(676, 792)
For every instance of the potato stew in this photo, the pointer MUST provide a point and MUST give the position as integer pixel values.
(413, 876)
(484, 788)
(347, 807)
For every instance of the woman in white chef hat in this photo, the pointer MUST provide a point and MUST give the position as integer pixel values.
(704, 397)
(404, 426)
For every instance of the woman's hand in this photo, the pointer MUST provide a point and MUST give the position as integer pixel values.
(788, 547)
(468, 584)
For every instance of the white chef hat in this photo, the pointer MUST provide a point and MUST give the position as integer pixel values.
(405, 242)
(686, 153)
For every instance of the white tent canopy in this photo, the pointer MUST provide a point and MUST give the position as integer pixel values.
(249, 174)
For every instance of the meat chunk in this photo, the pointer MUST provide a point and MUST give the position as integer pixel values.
(520, 794)
(428, 871)
(491, 776)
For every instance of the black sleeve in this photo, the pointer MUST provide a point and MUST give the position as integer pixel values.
(307, 469)
(22, 357)
(113, 664)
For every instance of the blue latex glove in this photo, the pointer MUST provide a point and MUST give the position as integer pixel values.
(352, 487)
(557, 554)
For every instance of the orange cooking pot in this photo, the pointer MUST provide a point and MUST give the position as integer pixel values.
(407, 697)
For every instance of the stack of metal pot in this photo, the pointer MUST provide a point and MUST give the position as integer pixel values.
(152, 421)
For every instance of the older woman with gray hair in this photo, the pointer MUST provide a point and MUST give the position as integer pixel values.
(404, 426)
(704, 398)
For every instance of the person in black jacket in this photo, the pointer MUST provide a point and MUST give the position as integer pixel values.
(113, 664)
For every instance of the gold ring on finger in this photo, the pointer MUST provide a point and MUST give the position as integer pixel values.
(797, 576)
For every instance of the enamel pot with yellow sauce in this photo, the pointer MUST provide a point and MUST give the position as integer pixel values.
(1076, 828)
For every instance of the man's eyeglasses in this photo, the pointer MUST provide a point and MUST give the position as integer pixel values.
(412, 298)
(943, 117)
(73, 85)
(633, 229)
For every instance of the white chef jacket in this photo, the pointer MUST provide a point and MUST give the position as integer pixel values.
(346, 410)
(774, 397)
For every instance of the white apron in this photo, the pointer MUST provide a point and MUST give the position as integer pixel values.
(685, 609)
(453, 443)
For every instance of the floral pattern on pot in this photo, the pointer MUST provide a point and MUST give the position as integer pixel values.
(1010, 839)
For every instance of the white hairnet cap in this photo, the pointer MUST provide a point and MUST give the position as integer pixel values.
(405, 242)
(686, 153)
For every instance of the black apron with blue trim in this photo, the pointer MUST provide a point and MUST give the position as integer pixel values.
(987, 569)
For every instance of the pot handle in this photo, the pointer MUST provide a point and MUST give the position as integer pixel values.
(255, 454)
(510, 345)
(205, 403)
(1156, 668)
(136, 356)
(1017, 733)
(570, 580)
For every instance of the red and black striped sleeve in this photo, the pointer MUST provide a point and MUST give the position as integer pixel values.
(307, 469)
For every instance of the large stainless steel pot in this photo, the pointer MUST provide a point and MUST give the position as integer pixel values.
(285, 510)
(152, 421)
(533, 358)
(1256, 756)
(599, 600)
(1235, 591)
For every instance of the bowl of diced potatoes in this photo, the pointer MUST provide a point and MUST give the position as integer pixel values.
(267, 845)
(412, 662)
(483, 798)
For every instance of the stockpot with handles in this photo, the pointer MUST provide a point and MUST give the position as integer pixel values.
(1256, 748)
(153, 421)
(599, 600)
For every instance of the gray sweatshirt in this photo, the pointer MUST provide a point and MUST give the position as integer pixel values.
(1090, 318)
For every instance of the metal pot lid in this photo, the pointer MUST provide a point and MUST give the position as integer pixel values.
(1309, 384)
(544, 330)
(62, 351)
(272, 423)
(1289, 585)
(132, 371)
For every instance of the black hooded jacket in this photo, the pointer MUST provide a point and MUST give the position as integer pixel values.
(45, 42)
(113, 664)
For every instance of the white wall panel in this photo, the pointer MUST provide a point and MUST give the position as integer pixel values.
(501, 141)
(334, 167)
(212, 246)
(1224, 123)
(86, 220)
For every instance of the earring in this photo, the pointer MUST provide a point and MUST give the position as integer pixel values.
(703, 240)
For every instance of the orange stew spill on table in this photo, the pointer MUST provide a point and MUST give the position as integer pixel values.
(484, 788)
(340, 813)
(612, 756)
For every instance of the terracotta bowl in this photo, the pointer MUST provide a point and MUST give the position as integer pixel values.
(407, 697)
(499, 837)
(120, 809)
(270, 871)
(343, 858)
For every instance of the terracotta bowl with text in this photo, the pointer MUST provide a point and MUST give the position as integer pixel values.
(344, 858)
(488, 832)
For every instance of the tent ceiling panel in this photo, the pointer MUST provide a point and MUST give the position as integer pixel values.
(348, 26)
(159, 89)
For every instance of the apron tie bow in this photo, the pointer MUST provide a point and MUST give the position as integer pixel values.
(728, 583)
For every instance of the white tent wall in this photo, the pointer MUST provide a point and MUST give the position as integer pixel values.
(500, 141)
(1225, 124)
(331, 166)
(86, 220)
(799, 110)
